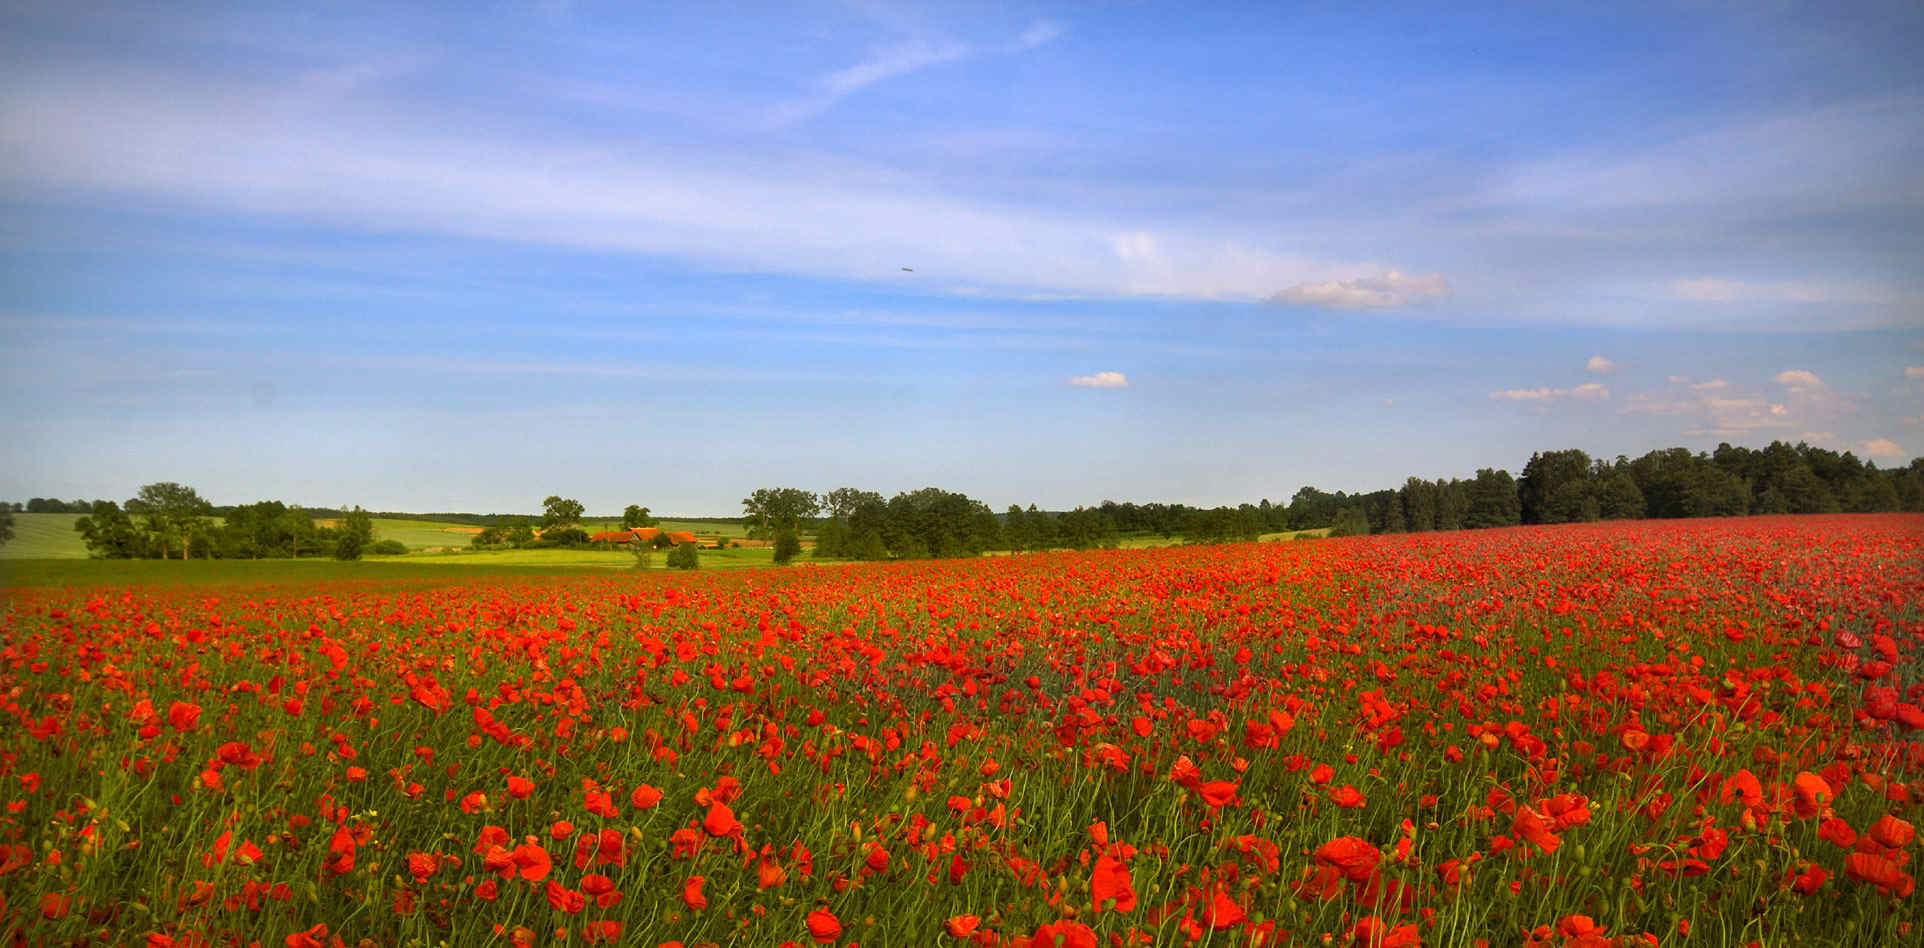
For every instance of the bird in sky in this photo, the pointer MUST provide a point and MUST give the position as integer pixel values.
(908, 269)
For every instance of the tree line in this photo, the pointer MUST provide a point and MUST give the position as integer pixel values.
(1569, 486)
(166, 520)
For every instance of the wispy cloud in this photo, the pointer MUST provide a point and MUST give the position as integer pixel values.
(1039, 33)
(1391, 290)
(901, 58)
(1914, 371)
(1599, 365)
(1101, 380)
(225, 145)
(1714, 290)
(1588, 392)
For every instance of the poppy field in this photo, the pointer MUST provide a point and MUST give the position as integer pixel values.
(1651, 733)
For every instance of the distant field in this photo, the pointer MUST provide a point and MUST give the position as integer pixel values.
(423, 534)
(44, 536)
(604, 559)
(1293, 534)
(696, 527)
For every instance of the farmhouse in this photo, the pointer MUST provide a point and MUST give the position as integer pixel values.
(643, 534)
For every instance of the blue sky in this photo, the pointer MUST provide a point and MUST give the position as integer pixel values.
(433, 258)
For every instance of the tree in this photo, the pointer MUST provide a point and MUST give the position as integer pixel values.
(173, 511)
(559, 511)
(787, 544)
(354, 535)
(6, 526)
(1493, 501)
(517, 533)
(1420, 501)
(684, 557)
(636, 516)
(1541, 478)
(1350, 522)
(769, 509)
(109, 533)
(1017, 534)
(1618, 498)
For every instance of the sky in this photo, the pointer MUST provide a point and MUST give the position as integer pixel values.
(464, 256)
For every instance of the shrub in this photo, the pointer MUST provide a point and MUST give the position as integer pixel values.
(388, 548)
(684, 557)
(787, 544)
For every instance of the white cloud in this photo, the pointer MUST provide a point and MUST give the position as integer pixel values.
(1588, 392)
(1600, 365)
(1680, 378)
(1712, 385)
(1882, 448)
(1799, 380)
(1039, 33)
(1914, 371)
(1101, 380)
(1716, 290)
(1390, 290)
(263, 147)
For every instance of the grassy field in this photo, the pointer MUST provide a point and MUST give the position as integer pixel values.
(423, 534)
(44, 536)
(426, 567)
(698, 528)
(603, 559)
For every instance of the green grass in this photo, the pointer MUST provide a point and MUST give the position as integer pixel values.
(603, 559)
(696, 527)
(82, 574)
(1293, 535)
(44, 536)
(423, 534)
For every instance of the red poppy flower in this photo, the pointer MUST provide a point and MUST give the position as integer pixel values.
(823, 926)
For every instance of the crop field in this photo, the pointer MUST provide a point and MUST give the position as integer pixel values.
(1651, 733)
(44, 536)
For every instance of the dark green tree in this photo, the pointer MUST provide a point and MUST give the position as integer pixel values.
(1541, 478)
(558, 511)
(787, 545)
(6, 526)
(771, 508)
(1419, 499)
(1618, 498)
(684, 556)
(175, 514)
(354, 535)
(1493, 500)
(636, 516)
(110, 534)
(1017, 534)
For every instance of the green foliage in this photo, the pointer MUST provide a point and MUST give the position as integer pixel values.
(110, 534)
(1493, 501)
(1349, 522)
(570, 538)
(387, 548)
(6, 526)
(558, 511)
(1619, 498)
(774, 508)
(636, 516)
(787, 545)
(831, 540)
(354, 535)
(644, 555)
(1543, 476)
(174, 514)
(684, 556)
